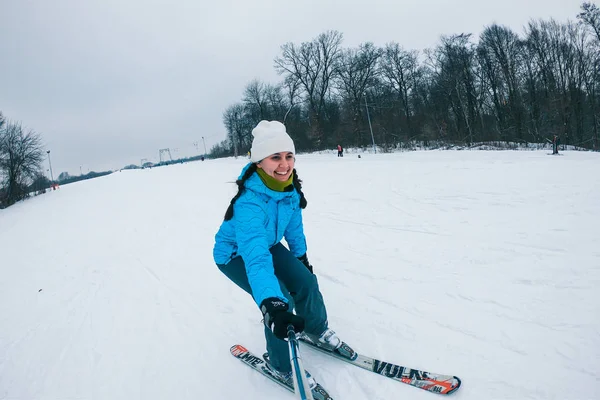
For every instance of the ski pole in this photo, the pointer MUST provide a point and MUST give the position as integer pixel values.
(300, 385)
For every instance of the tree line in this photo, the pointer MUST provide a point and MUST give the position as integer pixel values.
(21, 157)
(503, 87)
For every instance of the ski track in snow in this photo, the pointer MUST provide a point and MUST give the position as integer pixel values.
(483, 265)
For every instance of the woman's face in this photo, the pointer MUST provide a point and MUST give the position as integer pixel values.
(278, 165)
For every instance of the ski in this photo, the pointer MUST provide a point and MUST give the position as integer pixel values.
(258, 364)
(432, 382)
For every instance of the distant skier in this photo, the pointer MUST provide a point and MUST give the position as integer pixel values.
(340, 150)
(248, 249)
(555, 144)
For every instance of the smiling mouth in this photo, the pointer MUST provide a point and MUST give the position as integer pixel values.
(282, 173)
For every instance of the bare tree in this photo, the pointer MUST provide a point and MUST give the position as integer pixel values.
(312, 64)
(399, 69)
(500, 56)
(590, 16)
(578, 71)
(255, 100)
(454, 65)
(21, 155)
(239, 128)
(291, 85)
(40, 182)
(357, 69)
(275, 101)
(554, 50)
(263, 101)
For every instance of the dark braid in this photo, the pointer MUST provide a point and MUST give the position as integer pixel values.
(240, 182)
(298, 185)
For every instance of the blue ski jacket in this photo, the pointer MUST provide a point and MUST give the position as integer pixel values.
(261, 218)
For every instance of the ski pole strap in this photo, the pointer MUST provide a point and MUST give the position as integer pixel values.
(300, 385)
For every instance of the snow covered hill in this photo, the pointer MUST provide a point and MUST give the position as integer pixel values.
(484, 265)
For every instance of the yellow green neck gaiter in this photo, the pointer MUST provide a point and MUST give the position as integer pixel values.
(273, 183)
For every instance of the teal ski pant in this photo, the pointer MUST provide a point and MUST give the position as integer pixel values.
(300, 287)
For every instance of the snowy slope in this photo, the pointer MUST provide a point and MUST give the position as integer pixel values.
(485, 265)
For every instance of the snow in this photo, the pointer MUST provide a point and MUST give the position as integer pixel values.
(484, 265)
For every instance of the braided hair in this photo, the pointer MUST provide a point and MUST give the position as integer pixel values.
(240, 182)
(298, 185)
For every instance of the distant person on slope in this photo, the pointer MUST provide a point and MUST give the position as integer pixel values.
(248, 249)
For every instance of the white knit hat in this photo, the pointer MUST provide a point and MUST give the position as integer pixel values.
(270, 137)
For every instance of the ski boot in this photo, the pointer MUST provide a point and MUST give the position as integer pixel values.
(329, 341)
(318, 392)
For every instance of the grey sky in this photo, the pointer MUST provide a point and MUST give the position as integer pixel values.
(109, 82)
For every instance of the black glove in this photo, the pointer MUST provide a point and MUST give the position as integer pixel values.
(277, 318)
(304, 259)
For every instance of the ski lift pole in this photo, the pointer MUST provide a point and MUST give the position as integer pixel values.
(300, 385)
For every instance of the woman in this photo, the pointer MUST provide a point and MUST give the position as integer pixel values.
(248, 249)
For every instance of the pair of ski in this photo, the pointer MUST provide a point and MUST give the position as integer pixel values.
(432, 382)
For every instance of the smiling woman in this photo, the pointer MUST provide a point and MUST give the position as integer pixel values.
(248, 248)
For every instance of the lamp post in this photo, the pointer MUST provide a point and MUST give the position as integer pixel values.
(50, 163)
(370, 127)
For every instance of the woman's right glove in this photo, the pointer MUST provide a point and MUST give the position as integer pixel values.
(304, 260)
(277, 317)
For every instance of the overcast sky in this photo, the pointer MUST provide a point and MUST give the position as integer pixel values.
(109, 82)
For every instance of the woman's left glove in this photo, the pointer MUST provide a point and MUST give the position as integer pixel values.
(304, 260)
